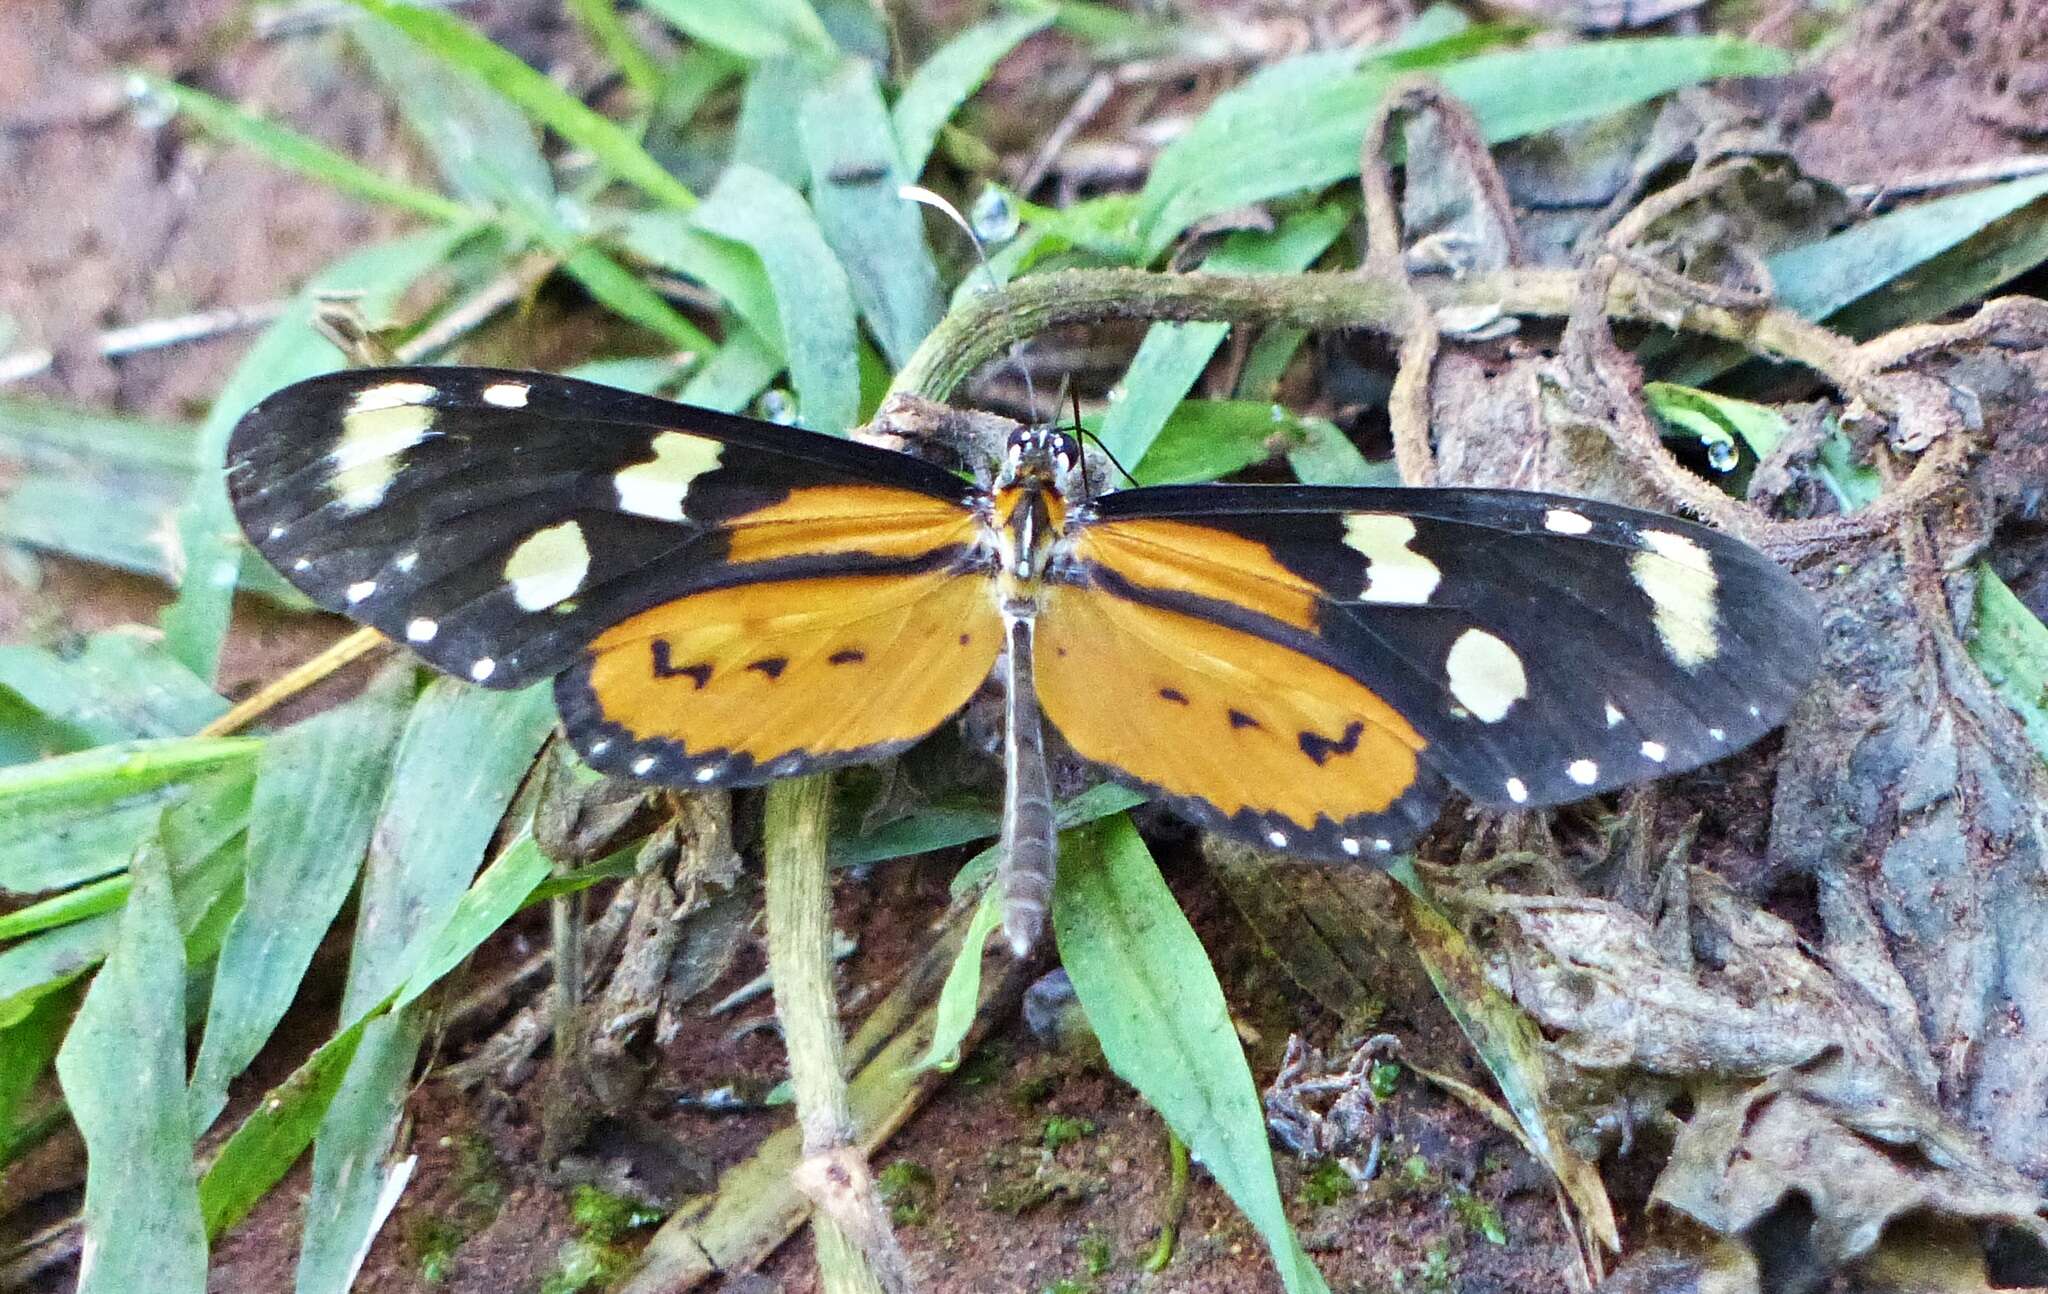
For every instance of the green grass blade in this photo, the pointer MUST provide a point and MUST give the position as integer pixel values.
(813, 299)
(74, 818)
(961, 993)
(1287, 135)
(89, 900)
(1207, 439)
(463, 755)
(196, 622)
(616, 150)
(27, 1049)
(1822, 277)
(1172, 356)
(122, 1067)
(855, 169)
(600, 20)
(951, 76)
(318, 786)
(303, 154)
(283, 1124)
(753, 29)
(736, 374)
(2010, 644)
(680, 245)
(1145, 982)
(622, 292)
(485, 148)
(120, 687)
(40, 965)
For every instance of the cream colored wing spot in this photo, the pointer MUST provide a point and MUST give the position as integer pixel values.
(1394, 572)
(1485, 675)
(507, 395)
(1518, 790)
(1654, 751)
(482, 668)
(548, 566)
(1564, 521)
(1583, 771)
(421, 629)
(1678, 577)
(658, 487)
(381, 424)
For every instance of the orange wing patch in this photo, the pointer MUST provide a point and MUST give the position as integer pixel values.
(1247, 737)
(1201, 561)
(818, 520)
(735, 686)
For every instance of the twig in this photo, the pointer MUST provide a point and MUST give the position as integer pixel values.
(509, 288)
(1175, 1206)
(857, 1252)
(150, 334)
(1951, 177)
(279, 690)
(1086, 104)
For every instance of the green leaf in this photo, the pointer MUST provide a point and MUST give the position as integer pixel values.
(120, 687)
(44, 963)
(318, 787)
(485, 148)
(2010, 644)
(738, 372)
(123, 1071)
(458, 43)
(1711, 417)
(27, 1047)
(1285, 134)
(290, 350)
(76, 817)
(622, 292)
(1173, 356)
(951, 76)
(600, 20)
(276, 1132)
(266, 1144)
(750, 28)
(89, 900)
(813, 300)
(681, 245)
(499, 892)
(766, 136)
(959, 996)
(942, 827)
(1145, 982)
(463, 755)
(856, 168)
(301, 153)
(1208, 439)
(1822, 277)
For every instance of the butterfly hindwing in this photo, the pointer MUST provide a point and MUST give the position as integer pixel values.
(738, 685)
(1542, 648)
(497, 521)
(1247, 735)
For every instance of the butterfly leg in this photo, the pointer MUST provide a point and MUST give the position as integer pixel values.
(1030, 835)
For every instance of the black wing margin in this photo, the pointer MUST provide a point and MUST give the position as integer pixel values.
(495, 521)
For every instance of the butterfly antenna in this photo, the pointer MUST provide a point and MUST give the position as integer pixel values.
(937, 202)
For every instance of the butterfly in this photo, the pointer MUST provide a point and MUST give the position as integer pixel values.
(723, 601)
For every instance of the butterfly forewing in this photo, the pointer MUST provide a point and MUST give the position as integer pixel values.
(496, 522)
(1543, 648)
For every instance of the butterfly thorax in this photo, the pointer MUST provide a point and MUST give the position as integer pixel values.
(1028, 517)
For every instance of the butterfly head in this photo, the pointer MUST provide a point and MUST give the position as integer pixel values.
(1040, 458)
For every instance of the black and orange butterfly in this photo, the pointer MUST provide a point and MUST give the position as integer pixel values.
(723, 601)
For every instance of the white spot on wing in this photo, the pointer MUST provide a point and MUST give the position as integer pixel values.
(1677, 575)
(1279, 839)
(302, 564)
(420, 629)
(1717, 734)
(1566, 522)
(1654, 751)
(276, 532)
(601, 745)
(507, 395)
(657, 488)
(1382, 844)
(706, 773)
(1518, 791)
(482, 668)
(381, 425)
(1394, 572)
(391, 395)
(1614, 716)
(361, 589)
(548, 566)
(1583, 771)
(406, 561)
(642, 765)
(1350, 845)
(1485, 675)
